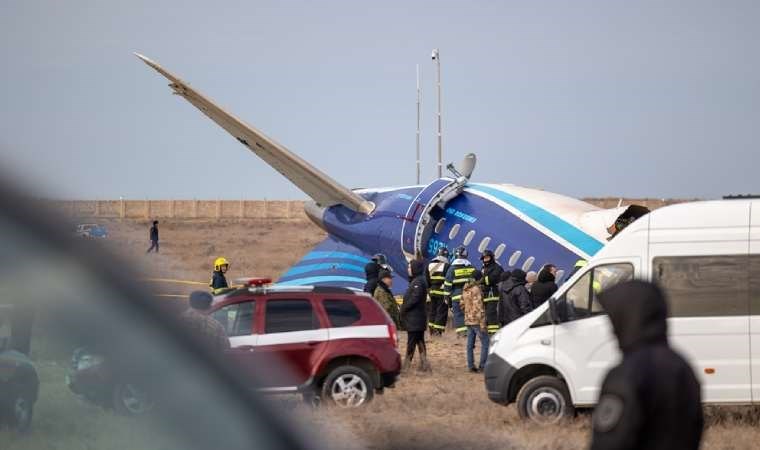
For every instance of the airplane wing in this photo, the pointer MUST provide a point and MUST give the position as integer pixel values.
(317, 184)
(334, 263)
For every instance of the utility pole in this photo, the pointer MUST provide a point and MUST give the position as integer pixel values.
(437, 58)
(419, 101)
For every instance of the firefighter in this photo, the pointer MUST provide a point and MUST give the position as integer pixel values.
(459, 272)
(218, 280)
(436, 276)
(489, 284)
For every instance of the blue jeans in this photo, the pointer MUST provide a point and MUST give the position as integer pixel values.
(473, 330)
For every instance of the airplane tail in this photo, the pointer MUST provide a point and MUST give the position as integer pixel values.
(315, 183)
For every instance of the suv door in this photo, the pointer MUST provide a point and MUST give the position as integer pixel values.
(293, 335)
(238, 320)
(585, 345)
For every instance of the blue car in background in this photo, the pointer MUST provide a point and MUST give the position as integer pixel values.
(91, 231)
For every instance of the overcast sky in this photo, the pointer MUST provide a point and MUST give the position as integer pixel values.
(620, 98)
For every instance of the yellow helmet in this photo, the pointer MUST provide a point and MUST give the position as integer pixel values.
(219, 262)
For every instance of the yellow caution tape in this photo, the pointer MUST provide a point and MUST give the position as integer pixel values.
(169, 280)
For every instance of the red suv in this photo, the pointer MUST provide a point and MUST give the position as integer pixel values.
(327, 343)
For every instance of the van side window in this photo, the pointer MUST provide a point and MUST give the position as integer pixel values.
(754, 284)
(698, 286)
(581, 298)
(237, 319)
(605, 277)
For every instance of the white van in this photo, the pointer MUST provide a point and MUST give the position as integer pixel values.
(705, 255)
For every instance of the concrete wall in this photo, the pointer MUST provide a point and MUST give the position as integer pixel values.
(240, 209)
(182, 209)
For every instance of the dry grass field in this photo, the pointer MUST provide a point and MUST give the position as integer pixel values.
(445, 409)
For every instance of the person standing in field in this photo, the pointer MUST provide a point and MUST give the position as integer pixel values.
(203, 325)
(413, 314)
(475, 321)
(545, 286)
(652, 399)
(491, 271)
(153, 236)
(384, 296)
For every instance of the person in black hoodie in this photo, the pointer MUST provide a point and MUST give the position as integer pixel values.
(372, 271)
(545, 286)
(413, 314)
(514, 298)
(652, 399)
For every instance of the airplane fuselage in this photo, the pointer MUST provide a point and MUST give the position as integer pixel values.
(519, 224)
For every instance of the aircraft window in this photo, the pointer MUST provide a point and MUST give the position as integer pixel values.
(559, 275)
(515, 256)
(484, 245)
(468, 237)
(499, 251)
(454, 231)
(528, 262)
(439, 225)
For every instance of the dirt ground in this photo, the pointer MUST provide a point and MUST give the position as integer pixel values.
(447, 409)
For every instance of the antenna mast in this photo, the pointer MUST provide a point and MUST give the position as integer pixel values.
(419, 101)
(437, 59)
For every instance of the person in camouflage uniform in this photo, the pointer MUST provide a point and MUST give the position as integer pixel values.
(475, 321)
(384, 296)
(203, 325)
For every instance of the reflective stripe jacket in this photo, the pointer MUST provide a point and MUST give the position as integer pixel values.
(460, 271)
(490, 281)
(436, 275)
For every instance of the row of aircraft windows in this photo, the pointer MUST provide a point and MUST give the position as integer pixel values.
(513, 259)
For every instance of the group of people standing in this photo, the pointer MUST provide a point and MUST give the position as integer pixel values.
(482, 300)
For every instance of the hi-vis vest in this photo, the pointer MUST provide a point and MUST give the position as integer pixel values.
(456, 278)
(437, 270)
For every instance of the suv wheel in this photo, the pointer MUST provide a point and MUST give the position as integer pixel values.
(545, 400)
(20, 411)
(348, 387)
(131, 400)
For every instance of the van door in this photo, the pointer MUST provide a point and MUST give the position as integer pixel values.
(585, 346)
(754, 293)
(708, 306)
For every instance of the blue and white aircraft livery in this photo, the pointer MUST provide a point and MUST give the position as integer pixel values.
(526, 228)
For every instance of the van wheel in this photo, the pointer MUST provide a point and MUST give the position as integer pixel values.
(545, 400)
(348, 387)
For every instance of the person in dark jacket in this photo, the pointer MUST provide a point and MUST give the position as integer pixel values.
(504, 278)
(491, 272)
(153, 235)
(413, 314)
(514, 297)
(372, 271)
(545, 286)
(652, 399)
